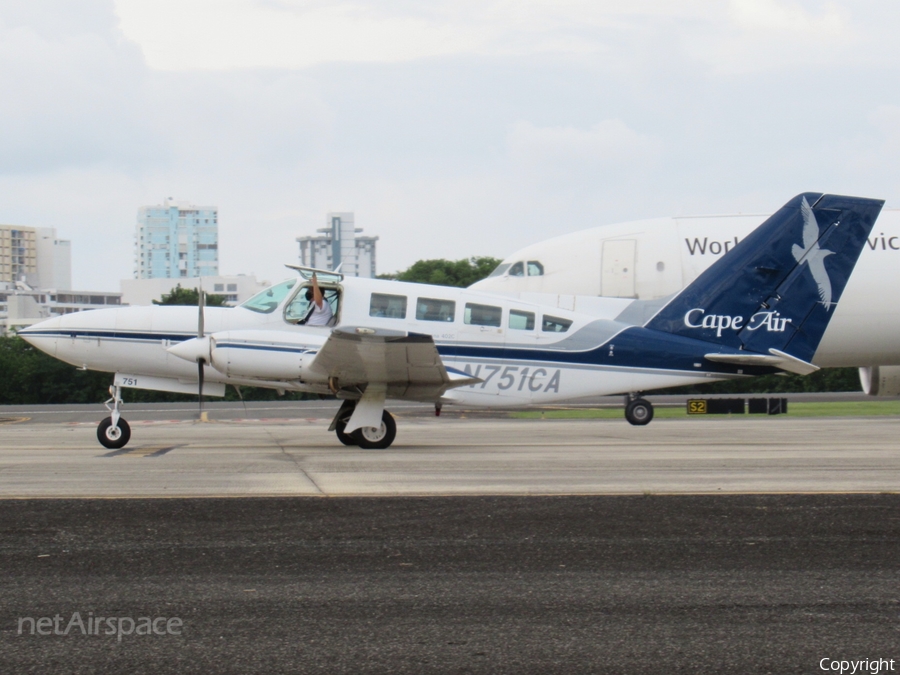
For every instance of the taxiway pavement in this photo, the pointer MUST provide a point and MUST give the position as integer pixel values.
(444, 456)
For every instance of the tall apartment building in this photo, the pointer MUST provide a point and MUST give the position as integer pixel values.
(339, 245)
(34, 256)
(176, 240)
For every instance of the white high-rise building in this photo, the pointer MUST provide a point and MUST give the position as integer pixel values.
(176, 240)
(339, 245)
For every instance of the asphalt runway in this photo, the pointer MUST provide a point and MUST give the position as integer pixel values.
(520, 585)
(473, 545)
(454, 456)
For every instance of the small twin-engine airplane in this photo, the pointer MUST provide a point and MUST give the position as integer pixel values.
(761, 308)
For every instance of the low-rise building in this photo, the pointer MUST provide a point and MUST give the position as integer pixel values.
(21, 305)
(236, 289)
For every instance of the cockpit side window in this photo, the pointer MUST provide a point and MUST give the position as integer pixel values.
(535, 268)
(299, 308)
(517, 270)
(268, 300)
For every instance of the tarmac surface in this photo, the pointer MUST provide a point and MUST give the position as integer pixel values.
(592, 584)
(472, 545)
(453, 456)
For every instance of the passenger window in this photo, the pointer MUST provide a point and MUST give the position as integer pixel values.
(553, 324)
(483, 315)
(517, 270)
(519, 320)
(433, 309)
(388, 306)
(535, 269)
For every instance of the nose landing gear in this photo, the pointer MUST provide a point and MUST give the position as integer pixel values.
(113, 432)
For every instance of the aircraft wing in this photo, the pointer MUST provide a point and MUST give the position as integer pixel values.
(408, 363)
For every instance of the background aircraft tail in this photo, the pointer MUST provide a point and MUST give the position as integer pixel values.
(777, 289)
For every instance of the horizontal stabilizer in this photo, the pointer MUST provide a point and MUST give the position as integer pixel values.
(774, 359)
(461, 379)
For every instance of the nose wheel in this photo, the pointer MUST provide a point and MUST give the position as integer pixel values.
(113, 432)
(113, 436)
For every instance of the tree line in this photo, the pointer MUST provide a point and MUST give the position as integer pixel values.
(28, 376)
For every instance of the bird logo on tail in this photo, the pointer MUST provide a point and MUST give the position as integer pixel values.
(812, 255)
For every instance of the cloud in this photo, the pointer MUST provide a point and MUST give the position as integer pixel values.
(222, 35)
(450, 128)
(609, 148)
(767, 35)
(71, 90)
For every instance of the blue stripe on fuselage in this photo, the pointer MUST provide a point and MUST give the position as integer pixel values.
(108, 335)
(264, 348)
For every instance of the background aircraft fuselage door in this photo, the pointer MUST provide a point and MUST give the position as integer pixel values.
(617, 268)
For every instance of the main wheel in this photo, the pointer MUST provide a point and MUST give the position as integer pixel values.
(345, 438)
(377, 438)
(639, 412)
(113, 437)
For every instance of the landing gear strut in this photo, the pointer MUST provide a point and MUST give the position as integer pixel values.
(113, 432)
(638, 411)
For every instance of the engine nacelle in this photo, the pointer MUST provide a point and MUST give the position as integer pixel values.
(259, 355)
(880, 380)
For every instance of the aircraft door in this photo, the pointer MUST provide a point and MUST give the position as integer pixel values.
(617, 268)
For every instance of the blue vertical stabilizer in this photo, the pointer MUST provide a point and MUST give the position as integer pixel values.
(777, 289)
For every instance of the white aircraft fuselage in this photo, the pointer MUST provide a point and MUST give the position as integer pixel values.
(251, 348)
(652, 259)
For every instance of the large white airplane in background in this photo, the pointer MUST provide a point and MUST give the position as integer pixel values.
(762, 308)
(649, 260)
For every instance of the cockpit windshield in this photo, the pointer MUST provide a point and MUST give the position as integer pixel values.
(500, 269)
(268, 300)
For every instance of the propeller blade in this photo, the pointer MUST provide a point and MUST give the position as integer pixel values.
(201, 302)
(200, 364)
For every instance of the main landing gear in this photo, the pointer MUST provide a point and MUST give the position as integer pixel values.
(368, 438)
(638, 411)
(113, 432)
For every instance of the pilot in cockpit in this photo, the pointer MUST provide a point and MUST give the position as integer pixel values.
(320, 312)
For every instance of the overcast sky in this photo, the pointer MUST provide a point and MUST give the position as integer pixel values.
(451, 128)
